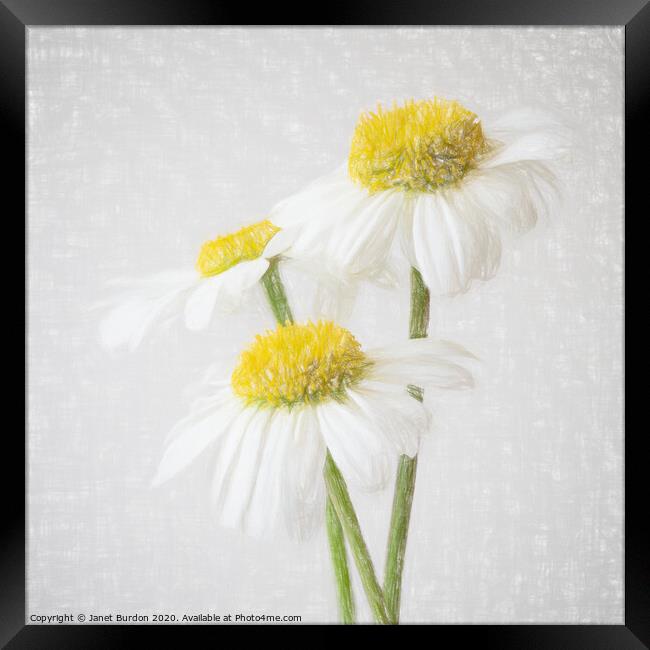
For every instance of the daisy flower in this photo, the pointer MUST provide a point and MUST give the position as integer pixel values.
(428, 174)
(226, 268)
(300, 391)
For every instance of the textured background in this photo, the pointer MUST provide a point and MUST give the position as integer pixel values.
(145, 142)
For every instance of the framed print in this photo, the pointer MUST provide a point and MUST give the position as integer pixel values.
(325, 324)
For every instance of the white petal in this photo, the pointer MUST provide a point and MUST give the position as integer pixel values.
(193, 434)
(239, 279)
(241, 473)
(532, 146)
(200, 303)
(435, 252)
(528, 134)
(333, 189)
(265, 509)
(512, 196)
(422, 362)
(361, 452)
(303, 488)
(365, 238)
(414, 348)
(136, 311)
(225, 291)
(339, 226)
(405, 229)
(280, 242)
(219, 398)
(354, 243)
(399, 417)
(453, 244)
(228, 452)
(320, 211)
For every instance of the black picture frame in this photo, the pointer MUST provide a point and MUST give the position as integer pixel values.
(16, 16)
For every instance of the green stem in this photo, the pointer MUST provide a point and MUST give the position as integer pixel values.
(420, 298)
(277, 297)
(340, 564)
(407, 469)
(399, 526)
(272, 283)
(340, 499)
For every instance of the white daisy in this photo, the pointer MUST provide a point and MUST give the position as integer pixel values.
(226, 268)
(296, 392)
(425, 173)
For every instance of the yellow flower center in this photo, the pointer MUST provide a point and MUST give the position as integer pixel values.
(222, 253)
(299, 364)
(420, 146)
